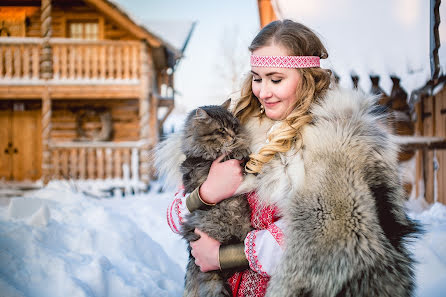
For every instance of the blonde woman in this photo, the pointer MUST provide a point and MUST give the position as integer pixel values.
(322, 183)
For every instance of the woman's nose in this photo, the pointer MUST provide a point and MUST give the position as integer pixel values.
(264, 92)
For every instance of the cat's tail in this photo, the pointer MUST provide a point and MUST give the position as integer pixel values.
(168, 157)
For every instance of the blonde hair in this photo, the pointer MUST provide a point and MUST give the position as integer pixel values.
(298, 40)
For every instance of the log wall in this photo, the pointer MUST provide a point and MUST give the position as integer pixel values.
(124, 115)
(431, 164)
(63, 11)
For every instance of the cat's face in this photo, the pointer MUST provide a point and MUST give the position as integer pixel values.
(214, 130)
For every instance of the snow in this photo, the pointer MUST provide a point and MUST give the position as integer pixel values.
(58, 241)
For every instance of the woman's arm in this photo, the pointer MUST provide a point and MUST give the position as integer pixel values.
(261, 251)
(223, 180)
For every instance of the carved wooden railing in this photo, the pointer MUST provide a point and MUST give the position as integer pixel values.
(19, 58)
(102, 60)
(95, 160)
(73, 59)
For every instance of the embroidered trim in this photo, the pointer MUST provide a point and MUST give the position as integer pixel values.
(170, 217)
(277, 233)
(251, 254)
(285, 61)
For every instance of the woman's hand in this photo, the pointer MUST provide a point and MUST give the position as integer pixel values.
(205, 251)
(223, 180)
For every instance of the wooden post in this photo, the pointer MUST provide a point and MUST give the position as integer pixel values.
(266, 12)
(46, 68)
(145, 115)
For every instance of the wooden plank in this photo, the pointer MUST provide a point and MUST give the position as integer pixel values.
(56, 62)
(5, 139)
(95, 62)
(55, 155)
(82, 163)
(35, 63)
(2, 51)
(80, 56)
(102, 64)
(73, 164)
(111, 63)
(428, 155)
(91, 163)
(117, 163)
(26, 133)
(17, 62)
(64, 164)
(8, 62)
(126, 159)
(100, 163)
(64, 61)
(440, 118)
(108, 163)
(72, 62)
(26, 62)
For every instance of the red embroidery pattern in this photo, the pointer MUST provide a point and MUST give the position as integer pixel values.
(261, 216)
(175, 206)
(250, 251)
(277, 233)
(254, 283)
(285, 61)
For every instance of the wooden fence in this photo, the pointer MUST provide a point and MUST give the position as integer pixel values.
(95, 160)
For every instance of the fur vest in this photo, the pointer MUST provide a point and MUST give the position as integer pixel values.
(342, 200)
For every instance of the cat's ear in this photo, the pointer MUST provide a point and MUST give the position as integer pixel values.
(201, 114)
(226, 104)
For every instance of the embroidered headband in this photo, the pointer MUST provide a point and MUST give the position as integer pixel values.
(285, 61)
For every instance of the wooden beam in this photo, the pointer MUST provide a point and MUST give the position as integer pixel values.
(266, 12)
(78, 91)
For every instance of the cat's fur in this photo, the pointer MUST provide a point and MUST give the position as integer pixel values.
(209, 132)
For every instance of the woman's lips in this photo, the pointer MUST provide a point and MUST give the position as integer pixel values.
(271, 104)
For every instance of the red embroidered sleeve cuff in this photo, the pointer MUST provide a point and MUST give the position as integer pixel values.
(264, 248)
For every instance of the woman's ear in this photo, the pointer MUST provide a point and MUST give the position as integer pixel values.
(226, 104)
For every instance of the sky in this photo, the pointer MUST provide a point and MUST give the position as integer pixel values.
(381, 37)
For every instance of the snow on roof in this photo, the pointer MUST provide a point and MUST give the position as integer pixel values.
(369, 37)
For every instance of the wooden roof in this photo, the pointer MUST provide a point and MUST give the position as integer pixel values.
(115, 12)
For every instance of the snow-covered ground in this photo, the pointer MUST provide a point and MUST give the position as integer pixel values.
(58, 242)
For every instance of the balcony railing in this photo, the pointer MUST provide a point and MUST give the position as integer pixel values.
(73, 60)
(95, 160)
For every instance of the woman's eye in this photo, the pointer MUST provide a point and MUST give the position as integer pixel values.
(257, 79)
(276, 81)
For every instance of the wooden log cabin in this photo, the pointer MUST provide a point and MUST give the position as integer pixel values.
(79, 97)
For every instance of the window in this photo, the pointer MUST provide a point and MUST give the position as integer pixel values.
(83, 30)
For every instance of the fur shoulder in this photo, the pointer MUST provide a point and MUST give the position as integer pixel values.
(168, 157)
(344, 113)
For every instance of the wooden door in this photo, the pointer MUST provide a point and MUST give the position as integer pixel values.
(5, 145)
(21, 145)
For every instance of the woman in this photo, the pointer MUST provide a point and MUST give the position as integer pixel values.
(323, 187)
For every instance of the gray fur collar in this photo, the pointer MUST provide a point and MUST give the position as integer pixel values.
(339, 112)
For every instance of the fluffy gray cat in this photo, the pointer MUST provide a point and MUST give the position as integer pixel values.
(209, 132)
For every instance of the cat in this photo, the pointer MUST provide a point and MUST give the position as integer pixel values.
(209, 132)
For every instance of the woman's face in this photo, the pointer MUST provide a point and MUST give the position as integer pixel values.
(276, 88)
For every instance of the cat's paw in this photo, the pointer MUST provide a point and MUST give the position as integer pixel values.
(241, 155)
